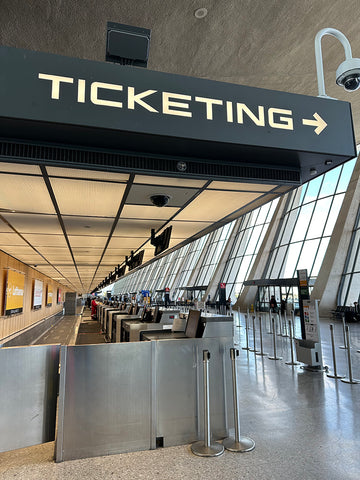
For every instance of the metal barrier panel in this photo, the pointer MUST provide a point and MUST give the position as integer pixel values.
(104, 400)
(178, 391)
(28, 395)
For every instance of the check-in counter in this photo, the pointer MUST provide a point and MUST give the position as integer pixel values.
(117, 325)
(211, 326)
(217, 325)
(131, 329)
(104, 317)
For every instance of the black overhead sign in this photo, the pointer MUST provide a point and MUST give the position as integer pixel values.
(62, 100)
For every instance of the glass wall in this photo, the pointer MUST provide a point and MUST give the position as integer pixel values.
(308, 223)
(349, 291)
(250, 231)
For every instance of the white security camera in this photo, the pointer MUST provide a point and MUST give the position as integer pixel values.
(348, 74)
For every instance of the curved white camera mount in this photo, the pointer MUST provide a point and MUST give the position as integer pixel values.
(347, 74)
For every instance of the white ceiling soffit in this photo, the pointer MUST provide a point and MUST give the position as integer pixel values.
(94, 227)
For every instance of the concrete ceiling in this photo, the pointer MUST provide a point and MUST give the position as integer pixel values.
(268, 44)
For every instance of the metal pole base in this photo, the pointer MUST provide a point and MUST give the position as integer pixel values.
(334, 376)
(347, 380)
(292, 363)
(245, 348)
(213, 450)
(263, 354)
(275, 358)
(245, 444)
(315, 369)
(343, 347)
(252, 350)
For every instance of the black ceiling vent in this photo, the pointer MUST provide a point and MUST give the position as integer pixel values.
(127, 45)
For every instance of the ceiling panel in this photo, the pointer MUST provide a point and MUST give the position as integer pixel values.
(28, 223)
(78, 197)
(11, 239)
(38, 240)
(86, 174)
(247, 187)
(25, 194)
(170, 181)
(213, 205)
(87, 240)
(20, 168)
(88, 226)
(136, 228)
(4, 227)
(145, 211)
(126, 242)
(183, 230)
(140, 194)
(87, 258)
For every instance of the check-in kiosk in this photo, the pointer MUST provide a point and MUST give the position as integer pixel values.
(198, 325)
(161, 319)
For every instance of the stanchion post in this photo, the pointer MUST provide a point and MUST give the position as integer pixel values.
(239, 317)
(285, 334)
(246, 333)
(293, 322)
(350, 379)
(206, 448)
(237, 444)
(344, 347)
(254, 336)
(269, 331)
(292, 362)
(274, 357)
(279, 322)
(334, 375)
(261, 339)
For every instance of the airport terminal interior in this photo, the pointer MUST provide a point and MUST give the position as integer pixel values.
(179, 239)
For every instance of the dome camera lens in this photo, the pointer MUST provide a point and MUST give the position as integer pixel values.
(352, 83)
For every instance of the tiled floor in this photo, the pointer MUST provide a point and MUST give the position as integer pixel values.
(305, 425)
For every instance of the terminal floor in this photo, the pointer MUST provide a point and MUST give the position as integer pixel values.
(63, 332)
(306, 426)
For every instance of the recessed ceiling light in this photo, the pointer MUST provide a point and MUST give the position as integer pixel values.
(87, 226)
(200, 13)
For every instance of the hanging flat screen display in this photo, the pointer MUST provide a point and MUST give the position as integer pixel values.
(14, 298)
(49, 295)
(38, 294)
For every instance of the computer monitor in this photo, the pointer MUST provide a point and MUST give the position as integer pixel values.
(192, 324)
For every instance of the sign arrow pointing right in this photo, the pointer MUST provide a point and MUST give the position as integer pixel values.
(319, 123)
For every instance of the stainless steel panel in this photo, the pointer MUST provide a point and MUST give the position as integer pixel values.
(28, 394)
(168, 316)
(106, 398)
(180, 397)
(176, 386)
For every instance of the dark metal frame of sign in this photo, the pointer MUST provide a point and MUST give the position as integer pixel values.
(61, 111)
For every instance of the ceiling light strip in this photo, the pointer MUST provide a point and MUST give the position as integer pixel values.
(116, 219)
(57, 210)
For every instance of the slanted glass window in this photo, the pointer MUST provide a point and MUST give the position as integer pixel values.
(307, 224)
(250, 231)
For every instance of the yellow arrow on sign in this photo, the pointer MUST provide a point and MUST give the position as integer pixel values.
(319, 123)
